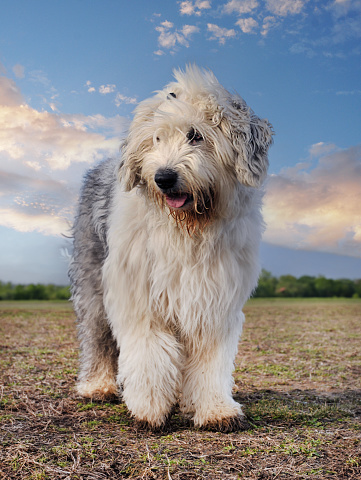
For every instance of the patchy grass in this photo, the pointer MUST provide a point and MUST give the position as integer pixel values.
(297, 375)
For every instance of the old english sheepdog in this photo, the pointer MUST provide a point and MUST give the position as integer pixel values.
(166, 254)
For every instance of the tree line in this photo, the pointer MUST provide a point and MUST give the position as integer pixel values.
(38, 291)
(268, 286)
(306, 286)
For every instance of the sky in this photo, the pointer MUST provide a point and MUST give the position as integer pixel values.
(72, 72)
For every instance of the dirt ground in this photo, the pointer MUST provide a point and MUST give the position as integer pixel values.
(297, 375)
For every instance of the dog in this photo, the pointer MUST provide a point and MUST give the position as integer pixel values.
(165, 254)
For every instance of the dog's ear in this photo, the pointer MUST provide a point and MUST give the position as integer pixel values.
(129, 169)
(251, 138)
(138, 141)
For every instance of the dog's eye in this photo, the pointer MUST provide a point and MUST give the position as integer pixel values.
(194, 137)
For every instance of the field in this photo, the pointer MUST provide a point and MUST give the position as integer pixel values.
(298, 375)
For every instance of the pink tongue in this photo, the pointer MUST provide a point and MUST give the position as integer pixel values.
(176, 202)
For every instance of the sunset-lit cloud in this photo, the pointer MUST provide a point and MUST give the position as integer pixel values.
(27, 134)
(316, 207)
(39, 155)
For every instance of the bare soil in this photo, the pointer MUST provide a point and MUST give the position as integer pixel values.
(297, 375)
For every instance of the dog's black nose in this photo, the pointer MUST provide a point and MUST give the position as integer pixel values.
(166, 178)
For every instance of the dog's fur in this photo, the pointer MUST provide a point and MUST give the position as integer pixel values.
(166, 253)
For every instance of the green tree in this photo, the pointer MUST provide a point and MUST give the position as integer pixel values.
(266, 285)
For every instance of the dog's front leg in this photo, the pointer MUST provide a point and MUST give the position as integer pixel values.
(208, 381)
(149, 372)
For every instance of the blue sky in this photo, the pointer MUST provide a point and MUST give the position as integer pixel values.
(71, 72)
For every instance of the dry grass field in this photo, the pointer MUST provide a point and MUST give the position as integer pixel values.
(297, 374)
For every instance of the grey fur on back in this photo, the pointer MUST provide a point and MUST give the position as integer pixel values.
(98, 346)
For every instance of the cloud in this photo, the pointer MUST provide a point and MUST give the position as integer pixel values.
(341, 22)
(190, 8)
(120, 98)
(19, 71)
(105, 89)
(31, 204)
(283, 8)
(247, 25)
(38, 76)
(348, 92)
(317, 208)
(240, 6)
(10, 95)
(90, 88)
(268, 23)
(321, 149)
(219, 33)
(58, 140)
(51, 150)
(342, 8)
(170, 37)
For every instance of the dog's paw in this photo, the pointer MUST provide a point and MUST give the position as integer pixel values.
(228, 424)
(222, 417)
(97, 390)
(144, 426)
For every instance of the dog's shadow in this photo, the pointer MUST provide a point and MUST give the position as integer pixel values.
(298, 407)
(262, 408)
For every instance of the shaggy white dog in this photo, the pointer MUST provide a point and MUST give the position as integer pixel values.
(166, 254)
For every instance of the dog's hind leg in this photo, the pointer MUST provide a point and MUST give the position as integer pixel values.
(99, 352)
(98, 356)
(98, 348)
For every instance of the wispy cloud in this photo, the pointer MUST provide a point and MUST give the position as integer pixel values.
(120, 98)
(194, 8)
(170, 37)
(240, 7)
(285, 7)
(30, 204)
(317, 208)
(219, 33)
(10, 94)
(19, 71)
(247, 25)
(268, 23)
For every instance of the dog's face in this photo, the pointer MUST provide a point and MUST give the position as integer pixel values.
(190, 144)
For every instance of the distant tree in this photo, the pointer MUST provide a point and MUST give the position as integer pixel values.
(357, 293)
(306, 285)
(38, 291)
(325, 287)
(287, 286)
(266, 285)
(344, 288)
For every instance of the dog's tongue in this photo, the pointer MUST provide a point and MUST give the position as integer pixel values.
(176, 202)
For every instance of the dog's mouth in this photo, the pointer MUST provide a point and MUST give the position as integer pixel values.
(178, 200)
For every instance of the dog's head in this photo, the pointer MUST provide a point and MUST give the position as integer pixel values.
(190, 144)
